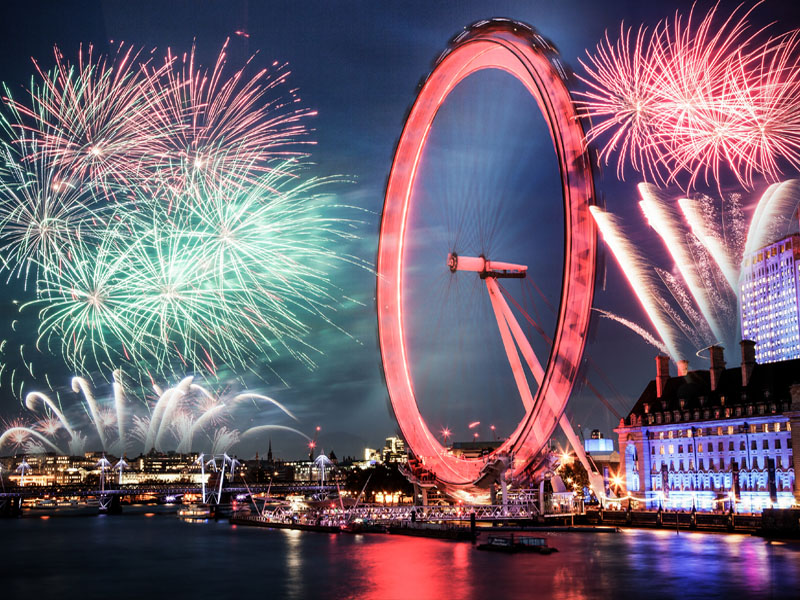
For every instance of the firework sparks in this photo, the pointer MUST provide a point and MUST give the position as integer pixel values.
(638, 329)
(163, 213)
(707, 250)
(634, 268)
(228, 124)
(686, 99)
(663, 219)
(184, 417)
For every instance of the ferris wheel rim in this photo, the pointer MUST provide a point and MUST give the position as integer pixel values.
(517, 49)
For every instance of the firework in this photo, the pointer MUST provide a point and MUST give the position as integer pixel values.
(697, 330)
(683, 101)
(772, 217)
(227, 124)
(40, 212)
(707, 250)
(163, 214)
(638, 329)
(635, 269)
(91, 120)
(712, 241)
(194, 279)
(183, 417)
(661, 216)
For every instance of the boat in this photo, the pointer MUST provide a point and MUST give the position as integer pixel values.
(194, 512)
(364, 526)
(520, 543)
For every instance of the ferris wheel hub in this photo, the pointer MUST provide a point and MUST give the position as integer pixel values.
(486, 268)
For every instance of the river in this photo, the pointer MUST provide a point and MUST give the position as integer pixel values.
(147, 554)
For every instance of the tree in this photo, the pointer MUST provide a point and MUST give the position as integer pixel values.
(573, 473)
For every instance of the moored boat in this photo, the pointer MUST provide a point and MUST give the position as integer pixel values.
(521, 543)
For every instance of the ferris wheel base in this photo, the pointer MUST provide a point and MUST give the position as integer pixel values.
(495, 473)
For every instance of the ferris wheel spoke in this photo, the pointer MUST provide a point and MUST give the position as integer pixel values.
(508, 343)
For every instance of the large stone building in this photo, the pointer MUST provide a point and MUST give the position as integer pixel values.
(710, 438)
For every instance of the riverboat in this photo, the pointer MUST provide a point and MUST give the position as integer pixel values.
(521, 543)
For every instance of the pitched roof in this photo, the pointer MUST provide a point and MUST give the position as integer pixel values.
(768, 382)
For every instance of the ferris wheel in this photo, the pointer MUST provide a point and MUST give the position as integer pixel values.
(517, 50)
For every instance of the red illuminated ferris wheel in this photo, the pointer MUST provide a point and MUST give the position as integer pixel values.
(515, 49)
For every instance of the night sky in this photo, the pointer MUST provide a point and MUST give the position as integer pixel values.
(358, 64)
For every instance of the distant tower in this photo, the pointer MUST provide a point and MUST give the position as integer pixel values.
(269, 451)
(769, 295)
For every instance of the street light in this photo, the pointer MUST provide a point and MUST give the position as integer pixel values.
(445, 434)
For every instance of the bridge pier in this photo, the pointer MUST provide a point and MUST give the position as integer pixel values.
(422, 492)
(10, 508)
(220, 506)
(110, 504)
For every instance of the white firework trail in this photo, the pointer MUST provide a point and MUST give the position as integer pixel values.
(224, 439)
(770, 219)
(663, 219)
(638, 329)
(673, 315)
(639, 276)
(698, 331)
(712, 242)
(179, 415)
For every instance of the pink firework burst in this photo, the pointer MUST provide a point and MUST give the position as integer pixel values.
(49, 426)
(687, 101)
(17, 432)
(91, 119)
(230, 122)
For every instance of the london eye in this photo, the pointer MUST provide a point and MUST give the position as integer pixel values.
(543, 371)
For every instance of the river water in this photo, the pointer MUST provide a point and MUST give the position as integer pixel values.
(155, 555)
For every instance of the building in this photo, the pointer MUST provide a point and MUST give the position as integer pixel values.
(598, 444)
(394, 451)
(710, 438)
(600, 451)
(770, 289)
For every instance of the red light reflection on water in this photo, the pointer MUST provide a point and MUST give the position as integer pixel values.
(408, 567)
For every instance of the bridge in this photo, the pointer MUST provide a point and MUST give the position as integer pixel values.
(32, 491)
(11, 499)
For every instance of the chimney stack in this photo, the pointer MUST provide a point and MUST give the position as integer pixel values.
(748, 360)
(662, 374)
(717, 365)
(683, 368)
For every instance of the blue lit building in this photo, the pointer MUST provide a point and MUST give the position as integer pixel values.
(769, 300)
(714, 438)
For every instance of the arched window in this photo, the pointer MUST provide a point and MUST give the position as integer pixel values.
(631, 470)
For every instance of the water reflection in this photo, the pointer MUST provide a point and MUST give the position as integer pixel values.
(216, 561)
(419, 568)
(294, 561)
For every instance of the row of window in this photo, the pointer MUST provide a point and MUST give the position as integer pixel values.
(777, 427)
(784, 461)
(723, 483)
(717, 413)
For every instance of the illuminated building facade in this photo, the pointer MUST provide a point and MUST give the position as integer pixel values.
(602, 454)
(769, 300)
(713, 438)
(394, 451)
